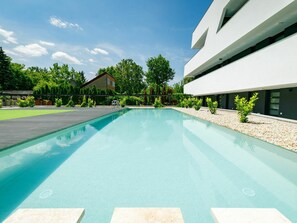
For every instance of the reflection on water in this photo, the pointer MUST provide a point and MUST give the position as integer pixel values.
(70, 138)
(24, 167)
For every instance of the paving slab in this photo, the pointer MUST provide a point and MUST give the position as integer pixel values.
(44, 215)
(15, 131)
(147, 215)
(248, 215)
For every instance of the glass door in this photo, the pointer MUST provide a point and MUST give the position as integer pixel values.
(274, 103)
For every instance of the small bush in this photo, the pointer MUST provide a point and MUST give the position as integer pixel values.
(58, 102)
(184, 103)
(22, 103)
(198, 104)
(158, 103)
(30, 101)
(70, 103)
(91, 103)
(84, 102)
(212, 105)
(1, 101)
(123, 102)
(244, 107)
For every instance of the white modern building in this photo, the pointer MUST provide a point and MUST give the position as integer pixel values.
(247, 46)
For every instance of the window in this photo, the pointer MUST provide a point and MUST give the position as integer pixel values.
(274, 103)
(230, 10)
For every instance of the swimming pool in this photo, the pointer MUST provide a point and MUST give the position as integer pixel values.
(148, 158)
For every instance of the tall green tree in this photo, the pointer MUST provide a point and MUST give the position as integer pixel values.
(63, 75)
(111, 70)
(6, 75)
(21, 80)
(159, 71)
(129, 77)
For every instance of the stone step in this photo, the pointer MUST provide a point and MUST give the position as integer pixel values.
(147, 215)
(46, 215)
(248, 215)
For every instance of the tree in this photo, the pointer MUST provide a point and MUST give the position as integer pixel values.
(111, 70)
(21, 80)
(6, 76)
(62, 75)
(129, 77)
(159, 71)
(178, 87)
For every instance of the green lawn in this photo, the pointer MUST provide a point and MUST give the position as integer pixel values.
(11, 114)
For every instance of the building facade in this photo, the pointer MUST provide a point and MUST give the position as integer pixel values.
(104, 81)
(247, 46)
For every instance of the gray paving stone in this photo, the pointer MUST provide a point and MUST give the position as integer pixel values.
(20, 130)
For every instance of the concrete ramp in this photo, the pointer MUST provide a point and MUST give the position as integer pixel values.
(51, 215)
(248, 215)
(147, 215)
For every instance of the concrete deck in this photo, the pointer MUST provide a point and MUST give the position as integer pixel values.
(147, 215)
(19, 130)
(248, 215)
(51, 215)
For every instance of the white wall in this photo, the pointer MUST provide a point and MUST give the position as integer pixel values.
(272, 67)
(254, 16)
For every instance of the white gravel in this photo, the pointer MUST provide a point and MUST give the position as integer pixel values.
(277, 132)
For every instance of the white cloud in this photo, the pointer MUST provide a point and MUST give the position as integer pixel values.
(96, 51)
(112, 48)
(64, 24)
(32, 50)
(65, 58)
(46, 43)
(10, 52)
(9, 36)
(92, 60)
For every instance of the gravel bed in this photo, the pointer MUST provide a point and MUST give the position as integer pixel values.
(277, 132)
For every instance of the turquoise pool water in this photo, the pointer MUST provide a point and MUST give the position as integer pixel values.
(148, 158)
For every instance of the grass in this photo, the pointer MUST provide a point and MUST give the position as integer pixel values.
(12, 114)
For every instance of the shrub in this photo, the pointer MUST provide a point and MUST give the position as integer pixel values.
(184, 103)
(244, 107)
(91, 103)
(133, 100)
(1, 101)
(84, 102)
(191, 102)
(58, 102)
(123, 102)
(158, 103)
(212, 105)
(22, 103)
(70, 103)
(198, 104)
(30, 101)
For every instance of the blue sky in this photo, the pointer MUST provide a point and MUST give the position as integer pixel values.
(92, 34)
